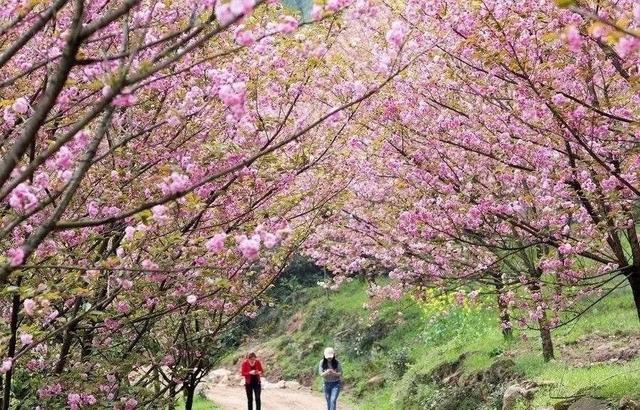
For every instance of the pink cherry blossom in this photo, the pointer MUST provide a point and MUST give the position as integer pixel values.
(610, 184)
(93, 209)
(122, 307)
(233, 94)
(22, 198)
(175, 183)
(88, 399)
(270, 240)
(627, 45)
(64, 159)
(173, 121)
(6, 365)
(168, 360)
(565, 248)
(559, 99)
(29, 306)
(26, 338)
(92, 274)
(129, 231)
(160, 213)
(16, 256)
(126, 284)
(20, 106)
(241, 7)
(216, 243)
(124, 99)
(9, 117)
(397, 33)
(288, 24)
(333, 5)
(41, 180)
(192, 299)
(50, 390)
(81, 139)
(224, 15)
(130, 404)
(249, 247)
(149, 265)
(573, 37)
(74, 401)
(244, 37)
(316, 12)
(483, 127)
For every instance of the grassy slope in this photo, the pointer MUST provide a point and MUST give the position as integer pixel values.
(405, 333)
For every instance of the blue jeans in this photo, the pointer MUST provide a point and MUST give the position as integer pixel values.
(331, 392)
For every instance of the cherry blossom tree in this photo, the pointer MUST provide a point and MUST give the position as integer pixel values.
(162, 160)
(512, 144)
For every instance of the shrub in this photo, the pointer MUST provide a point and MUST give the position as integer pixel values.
(495, 351)
(399, 361)
(454, 398)
(359, 339)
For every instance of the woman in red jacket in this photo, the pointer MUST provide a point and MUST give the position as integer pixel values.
(251, 369)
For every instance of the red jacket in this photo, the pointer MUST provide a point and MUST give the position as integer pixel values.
(245, 368)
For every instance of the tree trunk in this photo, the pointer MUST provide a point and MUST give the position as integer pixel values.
(67, 340)
(87, 341)
(505, 319)
(172, 395)
(543, 323)
(189, 393)
(634, 282)
(634, 272)
(11, 351)
(545, 336)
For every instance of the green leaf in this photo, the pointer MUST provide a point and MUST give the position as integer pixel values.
(565, 3)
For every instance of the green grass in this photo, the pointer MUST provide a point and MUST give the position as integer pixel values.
(199, 403)
(604, 380)
(349, 299)
(476, 335)
(378, 400)
(615, 313)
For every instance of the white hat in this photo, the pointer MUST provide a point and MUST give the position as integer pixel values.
(329, 353)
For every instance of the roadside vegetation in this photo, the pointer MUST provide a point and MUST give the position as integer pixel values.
(439, 354)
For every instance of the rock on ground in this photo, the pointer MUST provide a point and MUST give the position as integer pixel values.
(376, 381)
(511, 396)
(589, 403)
(218, 375)
(292, 384)
(524, 390)
(628, 403)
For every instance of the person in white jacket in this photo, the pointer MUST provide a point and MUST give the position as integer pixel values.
(331, 372)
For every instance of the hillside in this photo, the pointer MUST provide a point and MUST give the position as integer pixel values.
(442, 355)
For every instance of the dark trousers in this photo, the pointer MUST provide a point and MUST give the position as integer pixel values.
(253, 389)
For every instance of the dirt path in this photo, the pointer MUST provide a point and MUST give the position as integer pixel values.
(234, 398)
